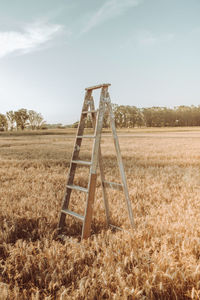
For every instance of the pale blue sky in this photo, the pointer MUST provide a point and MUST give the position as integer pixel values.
(51, 50)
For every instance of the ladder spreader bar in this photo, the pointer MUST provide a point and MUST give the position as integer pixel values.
(115, 227)
(76, 187)
(85, 136)
(81, 162)
(119, 228)
(72, 214)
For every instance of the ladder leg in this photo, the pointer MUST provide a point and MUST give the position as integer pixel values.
(120, 163)
(93, 168)
(105, 197)
(89, 207)
(102, 175)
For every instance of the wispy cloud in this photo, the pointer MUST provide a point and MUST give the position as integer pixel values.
(110, 9)
(29, 39)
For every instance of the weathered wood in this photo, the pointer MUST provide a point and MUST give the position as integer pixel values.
(115, 227)
(97, 121)
(77, 188)
(85, 136)
(81, 162)
(102, 175)
(99, 86)
(89, 111)
(98, 129)
(75, 155)
(104, 190)
(89, 207)
(93, 168)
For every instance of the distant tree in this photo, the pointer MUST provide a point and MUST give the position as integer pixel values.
(158, 116)
(125, 116)
(3, 122)
(169, 117)
(35, 119)
(195, 115)
(140, 118)
(132, 114)
(75, 125)
(119, 116)
(21, 118)
(31, 118)
(148, 117)
(11, 119)
(184, 115)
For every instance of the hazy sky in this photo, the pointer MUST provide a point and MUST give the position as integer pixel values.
(149, 50)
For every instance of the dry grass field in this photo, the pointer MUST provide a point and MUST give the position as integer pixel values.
(159, 260)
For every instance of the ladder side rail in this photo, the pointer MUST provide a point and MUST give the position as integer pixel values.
(104, 190)
(102, 174)
(120, 162)
(78, 140)
(98, 129)
(93, 169)
(75, 155)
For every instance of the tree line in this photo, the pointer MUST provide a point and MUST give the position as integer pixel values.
(126, 116)
(131, 116)
(21, 119)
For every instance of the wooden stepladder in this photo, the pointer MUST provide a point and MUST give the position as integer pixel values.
(97, 121)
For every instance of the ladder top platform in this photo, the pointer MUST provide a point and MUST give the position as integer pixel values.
(94, 87)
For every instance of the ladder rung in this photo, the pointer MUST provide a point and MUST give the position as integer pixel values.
(85, 136)
(97, 86)
(73, 214)
(89, 111)
(76, 187)
(81, 162)
(113, 185)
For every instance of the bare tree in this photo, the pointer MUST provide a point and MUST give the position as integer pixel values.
(11, 119)
(36, 120)
(3, 122)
